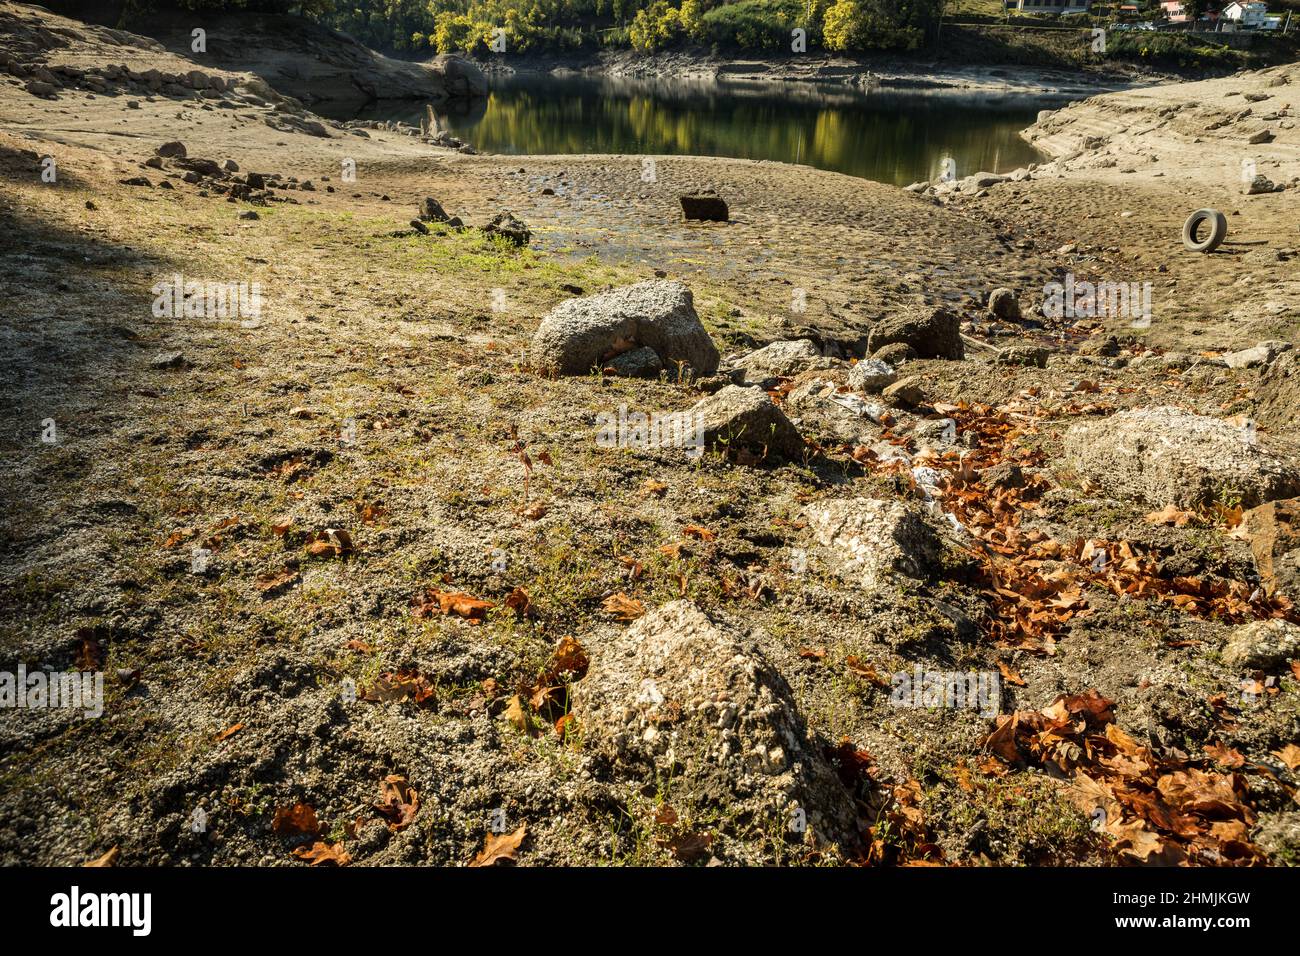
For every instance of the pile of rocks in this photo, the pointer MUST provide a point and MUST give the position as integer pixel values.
(220, 178)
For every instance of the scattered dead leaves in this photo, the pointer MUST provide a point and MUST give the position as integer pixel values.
(1156, 809)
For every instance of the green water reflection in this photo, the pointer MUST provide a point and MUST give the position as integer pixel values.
(892, 137)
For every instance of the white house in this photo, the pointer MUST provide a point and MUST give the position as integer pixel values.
(1250, 16)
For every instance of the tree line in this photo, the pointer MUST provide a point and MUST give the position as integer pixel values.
(523, 26)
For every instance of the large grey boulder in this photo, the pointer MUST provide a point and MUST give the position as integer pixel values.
(1166, 455)
(681, 695)
(580, 335)
(739, 417)
(933, 333)
(875, 542)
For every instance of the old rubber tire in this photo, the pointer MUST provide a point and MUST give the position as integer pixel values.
(1218, 224)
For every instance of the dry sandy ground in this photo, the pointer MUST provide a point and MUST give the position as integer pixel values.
(382, 393)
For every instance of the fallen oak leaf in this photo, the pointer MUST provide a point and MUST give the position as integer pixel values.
(108, 859)
(297, 820)
(622, 607)
(1289, 755)
(1224, 755)
(330, 543)
(399, 802)
(500, 848)
(516, 717)
(321, 852)
(1170, 515)
(519, 602)
(698, 532)
(866, 671)
(1009, 675)
(687, 847)
(271, 581)
(458, 603)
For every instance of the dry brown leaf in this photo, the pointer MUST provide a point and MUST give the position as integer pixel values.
(297, 820)
(320, 852)
(1224, 756)
(1171, 515)
(398, 802)
(622, 607)
(812, 653)
(458, 603)
(401, 685)
(516, 716)
(228, 732)
(652, 487)
(687, 846)
(275, 580)
(500, 847)
(698, 532)
(1009, 675)
(1289, 755)
(866, 671)
(330, 543)
(108, 859)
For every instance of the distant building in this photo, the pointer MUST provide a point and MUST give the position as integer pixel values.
(1250, 16)
(1175, 12)
(1053, 6)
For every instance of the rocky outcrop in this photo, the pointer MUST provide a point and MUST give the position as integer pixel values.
(582, 334)
(875, 542)
(736, 417)
(782, 359)
(1262, 645)
(681, 695)
(934, 333)
(311, 62)
(1166, 455)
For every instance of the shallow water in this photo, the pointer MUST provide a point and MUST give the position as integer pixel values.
(888, 136)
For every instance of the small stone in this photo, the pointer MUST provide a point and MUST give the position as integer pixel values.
(906, 391)
(871, 375)
(168, 360)
(1262, 645)
(1004, 305)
